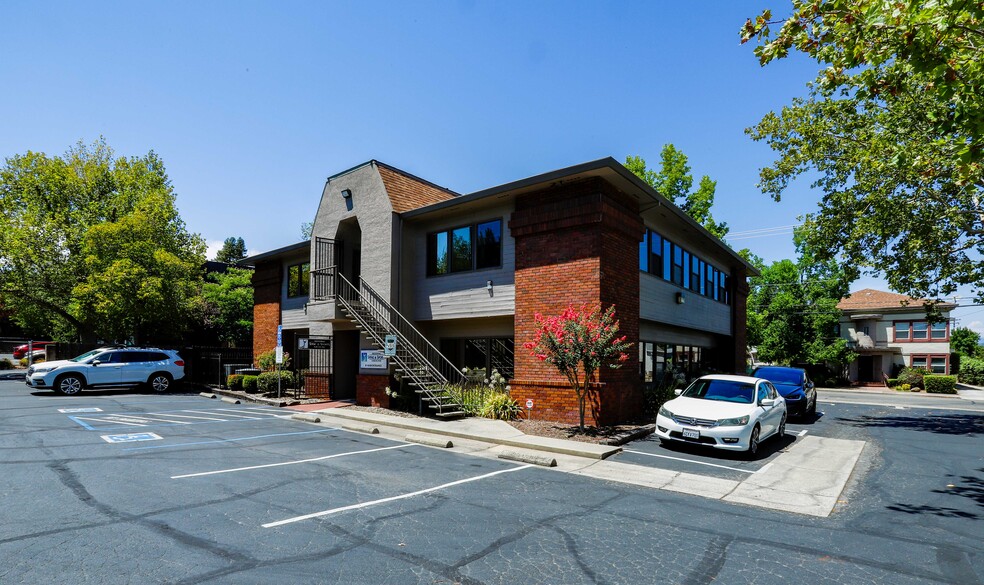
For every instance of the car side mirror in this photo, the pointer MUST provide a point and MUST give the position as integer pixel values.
(767, 402)
(678, 391)
(96, 362)
(810, 385)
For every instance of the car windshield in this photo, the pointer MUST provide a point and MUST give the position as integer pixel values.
(780, 375)
(86, 355)
(724, 390)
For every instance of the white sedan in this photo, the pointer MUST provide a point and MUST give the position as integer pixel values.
(725, 412)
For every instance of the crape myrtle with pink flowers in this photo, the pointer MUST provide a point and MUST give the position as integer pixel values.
(579, 342)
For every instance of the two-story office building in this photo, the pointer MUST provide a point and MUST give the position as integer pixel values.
(456, 281)
(890, 331)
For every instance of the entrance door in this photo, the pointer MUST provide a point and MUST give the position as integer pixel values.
(866, 365)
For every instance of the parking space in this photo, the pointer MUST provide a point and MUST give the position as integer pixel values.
(701, 460)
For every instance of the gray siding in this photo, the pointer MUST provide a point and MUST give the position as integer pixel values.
(461, 295)
(657, 302)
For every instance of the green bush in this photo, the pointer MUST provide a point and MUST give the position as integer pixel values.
(268, 361)
(892, 382)
(913, 376)
(267, 381)
(470, 397)
(499, 406)
(940, 384)
(249, 383)
(6, 364)
(972, 371)
(235, 382)
(903, 387)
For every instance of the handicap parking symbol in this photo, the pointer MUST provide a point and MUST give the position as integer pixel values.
(131, 437)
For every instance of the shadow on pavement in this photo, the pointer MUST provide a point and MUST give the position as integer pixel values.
(949, 424)
(766, 449)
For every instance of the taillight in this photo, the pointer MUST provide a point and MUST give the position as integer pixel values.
(179, 363)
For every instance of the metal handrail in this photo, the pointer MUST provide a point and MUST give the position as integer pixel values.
(412, 340)
(323, 283)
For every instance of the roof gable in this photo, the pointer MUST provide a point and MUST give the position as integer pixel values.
(408, 192)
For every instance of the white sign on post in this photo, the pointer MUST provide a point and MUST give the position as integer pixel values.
(280, 354)
(529, 403)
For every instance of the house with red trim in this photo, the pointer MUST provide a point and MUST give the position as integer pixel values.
(406, 280)
(890, 331)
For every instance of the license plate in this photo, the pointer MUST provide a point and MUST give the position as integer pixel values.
(691, 434)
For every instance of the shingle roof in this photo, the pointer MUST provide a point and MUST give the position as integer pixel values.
(869, 298)
(408, 192)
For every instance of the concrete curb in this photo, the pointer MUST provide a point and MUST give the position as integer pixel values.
(430, 441)
(632, 436)
(367, 429)
(303, 416)
(532, 458)
(230, 400)
(279, 403)
(207, 395)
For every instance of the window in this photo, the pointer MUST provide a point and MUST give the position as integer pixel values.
(695, 277)
(921, 331)
(661, 257)
(644, 252)
(667, 259)
(481, 355)
(677, 265)
(656, 246)
(470, 247)
(938, 364)
(298, 279)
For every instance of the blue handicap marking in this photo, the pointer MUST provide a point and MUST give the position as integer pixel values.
(70, 410)
(131, 437)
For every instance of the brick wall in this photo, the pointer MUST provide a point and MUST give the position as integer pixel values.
(266, 306)
(577, 243)
(371, 391)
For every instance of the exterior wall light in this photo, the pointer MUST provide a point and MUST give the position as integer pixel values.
(488, 286)
(346, 193)
(680, 299)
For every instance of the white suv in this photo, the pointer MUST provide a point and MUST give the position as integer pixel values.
(106, 367)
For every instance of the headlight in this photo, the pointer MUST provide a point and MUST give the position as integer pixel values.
(43, 369)
(733, 422)
(664, 412)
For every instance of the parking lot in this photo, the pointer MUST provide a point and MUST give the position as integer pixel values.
(122, 487)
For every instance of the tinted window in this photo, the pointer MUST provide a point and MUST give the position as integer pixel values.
(461, 249)
(780, 375)
(488, 251)
(723, 390)
(437, 253)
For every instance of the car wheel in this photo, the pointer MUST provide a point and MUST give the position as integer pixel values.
(812, 411)
(753, 442)
(781, 432)
(69, 385)
(160, 382)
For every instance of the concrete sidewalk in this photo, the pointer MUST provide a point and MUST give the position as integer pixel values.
(808, 478)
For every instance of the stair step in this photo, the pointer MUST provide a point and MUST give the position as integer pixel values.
(455, 414)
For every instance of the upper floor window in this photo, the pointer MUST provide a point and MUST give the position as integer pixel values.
(470, 247)
(921, 331)
(663, 258)
(298, 279)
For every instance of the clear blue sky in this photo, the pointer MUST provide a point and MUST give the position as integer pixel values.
(252, 105)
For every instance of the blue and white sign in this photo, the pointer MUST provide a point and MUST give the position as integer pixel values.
(280, 335)
(389, 346)
(131, 437)
(372, 359)
(71, 410)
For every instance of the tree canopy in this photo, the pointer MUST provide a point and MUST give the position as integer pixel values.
(228, 305)
(674, 181)
(233, 250)
(891, 130)
(966, 342)
(92, 246)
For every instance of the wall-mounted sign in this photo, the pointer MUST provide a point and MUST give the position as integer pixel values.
(319, 343)
(389, 347)
(372, 359)
(302, 343)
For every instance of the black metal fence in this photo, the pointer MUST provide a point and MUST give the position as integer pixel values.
(211, 365)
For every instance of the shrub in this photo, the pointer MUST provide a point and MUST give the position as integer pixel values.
(471, 398)
(235, 382)
(940, 384)
(656, 395)
(903, 387)
(972, 371)
(892, 382)
(499, 406)
(913, 376)
(267, 381)
(6, 364)
(249, 383)
(268, 361)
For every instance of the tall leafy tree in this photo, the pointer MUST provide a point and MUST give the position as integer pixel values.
(674, 181)
(966, 342)
(92, 246)
(233, 250)
(228, 298)
(792, 311)
(891, 129)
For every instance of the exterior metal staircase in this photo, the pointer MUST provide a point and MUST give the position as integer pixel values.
(417, 360)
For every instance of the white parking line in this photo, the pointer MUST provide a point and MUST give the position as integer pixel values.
(689, 461)
(390, 499)
(225, 415)
(802, 433)
(290, 462)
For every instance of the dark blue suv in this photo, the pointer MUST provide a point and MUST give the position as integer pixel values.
(794, 385)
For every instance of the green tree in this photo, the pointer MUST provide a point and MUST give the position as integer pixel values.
(233, 250)
(307, 227)
(674, 182)
(892, 130)
(966, 342)
(792, 311)
(228, 298)
(91, 246)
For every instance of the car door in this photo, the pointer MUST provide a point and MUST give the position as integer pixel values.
(778, 407)
(106, 369)
(768, 419)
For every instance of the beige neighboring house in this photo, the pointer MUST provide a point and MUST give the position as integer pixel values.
(889, 331)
